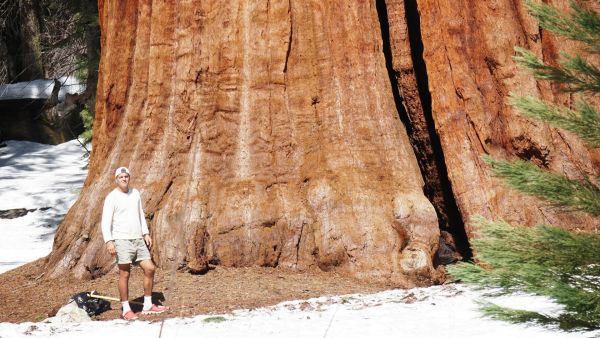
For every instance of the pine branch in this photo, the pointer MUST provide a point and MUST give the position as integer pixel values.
(565, 321)
(585, 121)
(559, 190)
(516, 316)
(543, 260)
(577, 73)
(580, 25)
(546, 260)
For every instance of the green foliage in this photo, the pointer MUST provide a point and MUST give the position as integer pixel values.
(216, 319)
(86, 22)
(515, 316)
(546, 260)
(583, 121)
(579, 25)
(559, 190)
(543, 260)
(577, 73)
(564, 321)
(88, 123)
(579, 76)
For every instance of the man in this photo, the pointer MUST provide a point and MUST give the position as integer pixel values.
(126, 235)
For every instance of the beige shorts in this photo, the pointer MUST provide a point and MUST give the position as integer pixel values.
(131, 250)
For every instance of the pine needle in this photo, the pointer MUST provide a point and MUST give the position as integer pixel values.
(579, 25)
(543, 260)
(584, 121)
(577, 73)
(559, 190)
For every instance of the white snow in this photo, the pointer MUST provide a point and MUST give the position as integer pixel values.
(35, 176)
(41, 89)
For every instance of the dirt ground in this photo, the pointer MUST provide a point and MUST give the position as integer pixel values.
(26, 296)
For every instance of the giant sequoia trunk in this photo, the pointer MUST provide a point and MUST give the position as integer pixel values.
(259, 133)
(269, 133)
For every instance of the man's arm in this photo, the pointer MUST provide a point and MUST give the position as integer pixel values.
(148, 240)
(106, 224)
(107, 218)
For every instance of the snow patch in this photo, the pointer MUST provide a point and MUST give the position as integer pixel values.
(36, 176)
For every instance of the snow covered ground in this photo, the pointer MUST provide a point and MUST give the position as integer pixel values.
(42, 177)
(35, 176)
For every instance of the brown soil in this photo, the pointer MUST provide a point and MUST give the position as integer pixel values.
(25, 295)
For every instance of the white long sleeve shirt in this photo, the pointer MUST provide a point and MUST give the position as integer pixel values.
(123, 216)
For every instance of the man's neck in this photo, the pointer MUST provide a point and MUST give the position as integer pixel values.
(123, 191)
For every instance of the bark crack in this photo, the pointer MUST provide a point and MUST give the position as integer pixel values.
(289, 46)
(518, 13)
(298, 243)
(474, 128)
(162, 196)
(419, 121)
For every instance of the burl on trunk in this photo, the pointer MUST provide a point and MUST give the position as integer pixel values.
(259, 133)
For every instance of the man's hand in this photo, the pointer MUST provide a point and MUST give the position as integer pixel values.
(148, 241)
(110, 247)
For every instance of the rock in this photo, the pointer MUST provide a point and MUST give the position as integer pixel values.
(447, 250)
(14, 213)
(70, 314)
(19, 212)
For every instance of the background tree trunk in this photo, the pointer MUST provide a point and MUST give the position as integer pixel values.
(89, 8)
(468, 49)
(22, 38)
(259, 133)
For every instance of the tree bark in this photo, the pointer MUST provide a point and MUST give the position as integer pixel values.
(468, 49)
(266, 132)
(89, 8)
(259, 133)
(22, 38)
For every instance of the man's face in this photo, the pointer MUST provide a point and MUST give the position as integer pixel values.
(123, 181)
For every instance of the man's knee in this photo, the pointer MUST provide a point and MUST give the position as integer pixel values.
(124, 271)
(149, 267)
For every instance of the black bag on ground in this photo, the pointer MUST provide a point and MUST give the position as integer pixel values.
(93, 306)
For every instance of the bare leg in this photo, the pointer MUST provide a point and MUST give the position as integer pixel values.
(149, 269)
(124, 270)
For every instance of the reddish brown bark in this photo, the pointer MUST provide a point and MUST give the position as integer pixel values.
(259, 133)
(468, 51)
(266, 132)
